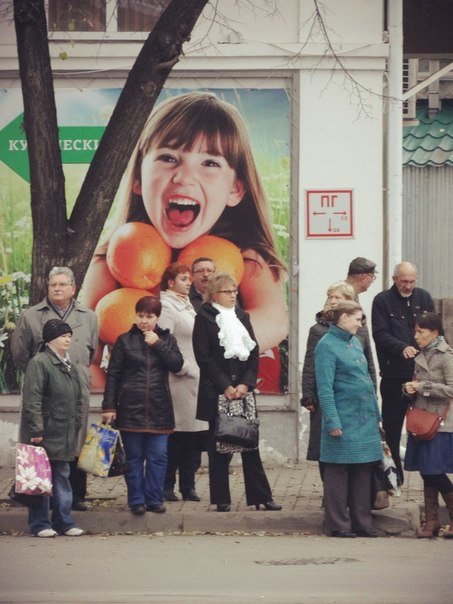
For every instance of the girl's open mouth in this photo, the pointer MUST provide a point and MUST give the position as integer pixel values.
(182, 212)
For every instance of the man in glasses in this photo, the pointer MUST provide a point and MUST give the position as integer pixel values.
(60, 303)
(202, 269)
(361, 274)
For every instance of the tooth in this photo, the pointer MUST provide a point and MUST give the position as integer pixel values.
(185, 202)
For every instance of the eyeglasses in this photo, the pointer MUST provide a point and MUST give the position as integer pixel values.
(60, 284)
(200, 271)
(231, 292)
(372, 276)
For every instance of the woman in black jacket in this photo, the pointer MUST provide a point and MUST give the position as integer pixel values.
(137, 397)
(227, 353)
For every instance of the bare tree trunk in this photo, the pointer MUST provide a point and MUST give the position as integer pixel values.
(56, 240)
(159, 54)
(48, 202)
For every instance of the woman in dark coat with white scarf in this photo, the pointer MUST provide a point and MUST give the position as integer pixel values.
(227, 353)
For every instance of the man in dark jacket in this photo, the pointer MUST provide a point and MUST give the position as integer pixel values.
(201, 269)
(393, 316)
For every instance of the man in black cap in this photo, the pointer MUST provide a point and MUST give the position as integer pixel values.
(393, 318)
(361, 274)
(27, 338)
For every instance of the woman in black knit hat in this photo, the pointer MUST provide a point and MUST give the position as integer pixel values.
(51, 417)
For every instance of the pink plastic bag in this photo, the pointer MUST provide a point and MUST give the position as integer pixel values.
(33, 471)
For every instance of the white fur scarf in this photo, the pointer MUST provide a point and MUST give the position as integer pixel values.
(233, 336)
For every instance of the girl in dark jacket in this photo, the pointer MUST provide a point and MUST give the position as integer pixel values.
(227, 353)
(137, 397)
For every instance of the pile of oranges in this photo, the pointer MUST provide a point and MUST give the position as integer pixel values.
(137, 257)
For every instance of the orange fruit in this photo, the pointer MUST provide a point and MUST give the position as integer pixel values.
(116, 312)
(226, 256)
(137, 255)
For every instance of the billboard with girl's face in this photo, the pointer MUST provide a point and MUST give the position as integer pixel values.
(209, 178)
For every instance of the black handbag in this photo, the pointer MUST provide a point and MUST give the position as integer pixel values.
(28, 501)
(235, 428)
(118, 465)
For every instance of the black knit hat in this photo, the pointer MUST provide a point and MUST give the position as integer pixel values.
(54, 328)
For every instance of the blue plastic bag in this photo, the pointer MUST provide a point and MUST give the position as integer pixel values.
(98, 450)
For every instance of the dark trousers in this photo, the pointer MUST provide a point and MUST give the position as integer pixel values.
(347, 485)
(394, 407)
(441, 482)
(78, 481)
(183, 457)
(257, 489)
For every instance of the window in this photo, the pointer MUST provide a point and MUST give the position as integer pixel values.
(77, 15)
(104, 15)
(139, 15)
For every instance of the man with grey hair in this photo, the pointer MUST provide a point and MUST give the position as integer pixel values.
(27, 340)
(393, 319)
(361, 274)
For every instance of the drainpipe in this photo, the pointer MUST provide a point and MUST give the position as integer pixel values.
(394, 139)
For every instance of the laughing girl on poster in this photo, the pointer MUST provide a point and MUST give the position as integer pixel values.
(193, 174)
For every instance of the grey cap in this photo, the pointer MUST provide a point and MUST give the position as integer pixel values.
(360, 265)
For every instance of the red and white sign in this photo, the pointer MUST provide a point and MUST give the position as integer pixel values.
(329, 213)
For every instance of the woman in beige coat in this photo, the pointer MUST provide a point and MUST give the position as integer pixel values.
(432, 389)
(178, 315)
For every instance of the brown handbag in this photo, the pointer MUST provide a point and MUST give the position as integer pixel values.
(423, 424)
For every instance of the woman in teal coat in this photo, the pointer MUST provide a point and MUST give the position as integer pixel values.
(350, 439)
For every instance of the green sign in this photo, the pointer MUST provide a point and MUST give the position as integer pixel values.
(78, 144)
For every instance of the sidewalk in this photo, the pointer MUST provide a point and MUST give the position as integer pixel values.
(297, 488)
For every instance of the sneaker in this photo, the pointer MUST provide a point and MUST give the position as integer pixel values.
(74, 532)
(46, 533)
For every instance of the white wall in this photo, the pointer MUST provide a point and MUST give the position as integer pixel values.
(339, 150)
(339, 138)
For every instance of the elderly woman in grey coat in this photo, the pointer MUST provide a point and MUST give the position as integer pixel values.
(432, 389)
(178, 315)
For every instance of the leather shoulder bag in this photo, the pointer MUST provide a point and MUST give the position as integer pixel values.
(423, 424)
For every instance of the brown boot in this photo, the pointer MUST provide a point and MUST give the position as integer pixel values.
(432, 525)
(448, 498)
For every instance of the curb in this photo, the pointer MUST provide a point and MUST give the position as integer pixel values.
(402, 522)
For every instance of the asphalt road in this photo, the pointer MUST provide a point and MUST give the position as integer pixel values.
(219, 569)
